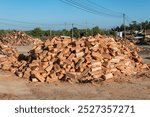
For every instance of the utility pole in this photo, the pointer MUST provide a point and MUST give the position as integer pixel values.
(92, 31)
(50, 32)
(72, 30)
(141, 27)
(86, 28)
(65, 26)
(124, 25)
(65, 29)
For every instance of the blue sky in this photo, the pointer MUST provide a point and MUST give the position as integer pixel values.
(55, 12)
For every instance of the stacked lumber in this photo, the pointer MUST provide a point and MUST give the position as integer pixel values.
(84, 60)
(19, 39)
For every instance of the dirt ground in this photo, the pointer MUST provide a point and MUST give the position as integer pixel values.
(137, 87)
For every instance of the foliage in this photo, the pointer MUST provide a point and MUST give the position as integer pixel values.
(37, 32)
(134, 26)
(75, 32)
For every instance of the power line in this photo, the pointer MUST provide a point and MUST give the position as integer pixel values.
(128, 19)
(100, 6)
(22, 22)
(21, 26)
(31, 23)
(84, 5)
(78, 7)
(4, 23)
(86, 8)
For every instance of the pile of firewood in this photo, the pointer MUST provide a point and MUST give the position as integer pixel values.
(84, 60)
(19, 39)
(8, 57)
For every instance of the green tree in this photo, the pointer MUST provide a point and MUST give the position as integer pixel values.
(47, 33)
(82, 32)
(37, 32)
(96, 30)
(65, 32)
(75, 32)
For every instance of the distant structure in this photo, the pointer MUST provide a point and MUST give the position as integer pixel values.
(120, 34)
(147, 33)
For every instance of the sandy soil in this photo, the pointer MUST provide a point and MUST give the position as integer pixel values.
(137, 87)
